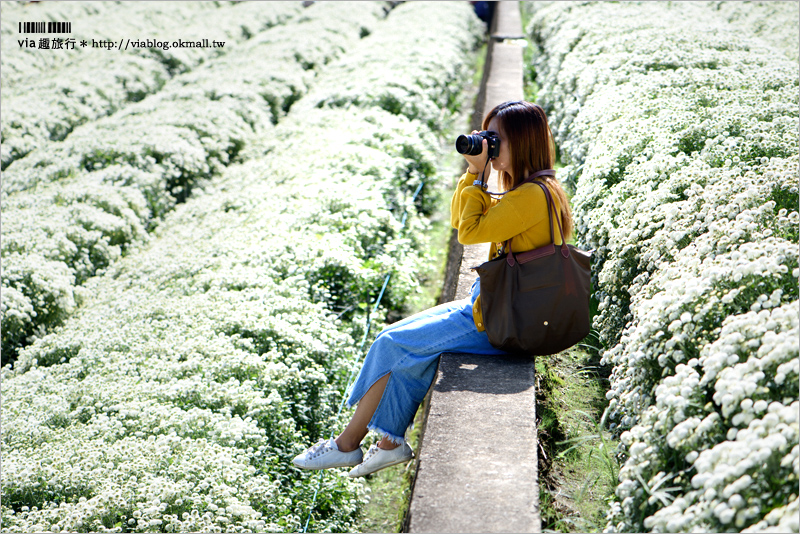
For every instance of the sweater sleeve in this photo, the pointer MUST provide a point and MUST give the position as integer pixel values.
(455, 204)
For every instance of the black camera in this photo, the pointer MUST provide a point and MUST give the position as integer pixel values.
(471, 145)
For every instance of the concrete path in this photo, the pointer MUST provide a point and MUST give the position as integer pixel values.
(477, 463)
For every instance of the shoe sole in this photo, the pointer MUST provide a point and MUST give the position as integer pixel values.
(308, 468)
(381, 467)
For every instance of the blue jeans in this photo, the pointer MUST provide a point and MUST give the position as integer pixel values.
(410, 350)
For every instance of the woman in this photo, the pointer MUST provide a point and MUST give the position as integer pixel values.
(401, 364)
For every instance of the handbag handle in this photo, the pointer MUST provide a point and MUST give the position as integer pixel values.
(550, 209)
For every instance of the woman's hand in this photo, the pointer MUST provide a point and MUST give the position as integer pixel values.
(477, 163)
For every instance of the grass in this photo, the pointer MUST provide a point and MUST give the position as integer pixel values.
(578, 464)
(480, 64)
(433, 271)
(530, 86)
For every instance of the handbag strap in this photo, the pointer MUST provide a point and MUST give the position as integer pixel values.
(551, 206)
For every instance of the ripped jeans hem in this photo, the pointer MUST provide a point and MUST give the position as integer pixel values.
(397, 440)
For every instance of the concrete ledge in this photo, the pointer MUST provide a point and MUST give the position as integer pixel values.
(508, 23)
(477, 465)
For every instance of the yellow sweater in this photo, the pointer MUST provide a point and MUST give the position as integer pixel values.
(520, 215)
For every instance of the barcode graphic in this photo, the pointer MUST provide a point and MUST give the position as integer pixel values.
(45, 27)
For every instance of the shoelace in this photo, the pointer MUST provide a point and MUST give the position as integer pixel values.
(370, 453)
(322, 446)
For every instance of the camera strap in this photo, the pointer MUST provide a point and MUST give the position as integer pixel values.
(483, 184)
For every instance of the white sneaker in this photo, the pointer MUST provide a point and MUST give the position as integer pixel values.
(377, 458)
(326, 454)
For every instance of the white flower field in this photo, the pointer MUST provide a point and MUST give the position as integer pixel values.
(187, 270)
(116, 177)
(193, 240)
(679, 125)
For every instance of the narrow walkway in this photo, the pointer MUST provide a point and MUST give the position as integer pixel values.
(477, 467)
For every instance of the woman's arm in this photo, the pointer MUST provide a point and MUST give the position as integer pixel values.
(455, 204)
(474, 163)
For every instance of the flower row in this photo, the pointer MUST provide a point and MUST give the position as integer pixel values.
(201, 364)
(74, 207)
(680, 139)
(775, 22)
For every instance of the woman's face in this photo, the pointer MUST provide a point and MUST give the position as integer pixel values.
(503, 161)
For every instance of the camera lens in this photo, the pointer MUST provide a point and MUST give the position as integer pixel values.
(471, 145)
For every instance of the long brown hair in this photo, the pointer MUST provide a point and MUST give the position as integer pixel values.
(530, 141)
